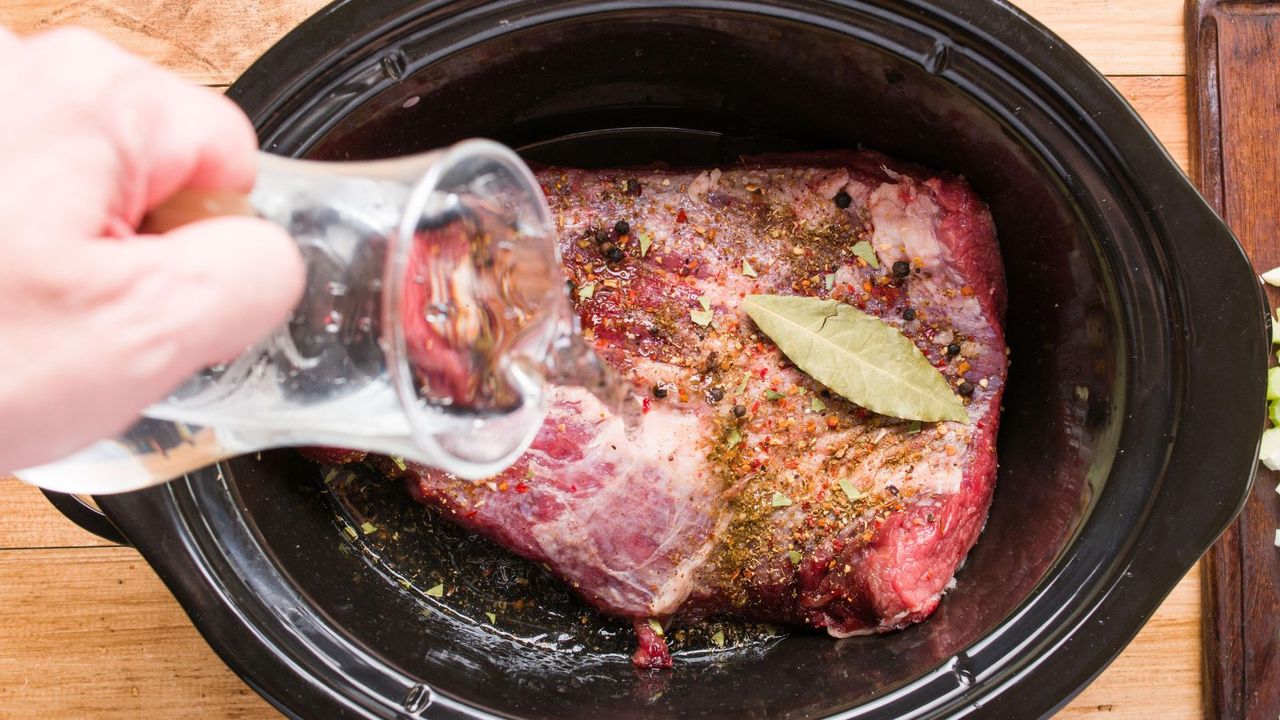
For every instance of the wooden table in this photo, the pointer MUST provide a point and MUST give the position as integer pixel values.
(88, 631)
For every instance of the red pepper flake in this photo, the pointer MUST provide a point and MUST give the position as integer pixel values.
(471, 514)
(503, 486)
(521, 487)
(644, 406)
(681, 217)
(887, 294)
(763, 372)
(966, 291)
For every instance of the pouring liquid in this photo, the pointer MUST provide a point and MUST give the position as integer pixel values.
(485, 326)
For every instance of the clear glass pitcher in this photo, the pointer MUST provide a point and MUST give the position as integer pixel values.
(433, 303)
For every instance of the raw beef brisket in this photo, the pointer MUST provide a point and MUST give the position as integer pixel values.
(750, 490)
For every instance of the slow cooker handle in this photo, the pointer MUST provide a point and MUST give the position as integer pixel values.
(88, 517)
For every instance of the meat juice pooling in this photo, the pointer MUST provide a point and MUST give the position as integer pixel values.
(434, 308)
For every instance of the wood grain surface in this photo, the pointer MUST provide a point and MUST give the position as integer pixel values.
(88, 631)
(1234, 55)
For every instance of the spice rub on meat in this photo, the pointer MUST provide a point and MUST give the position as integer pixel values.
(751, 490)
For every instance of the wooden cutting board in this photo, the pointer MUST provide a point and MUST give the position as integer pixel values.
(1233, 72)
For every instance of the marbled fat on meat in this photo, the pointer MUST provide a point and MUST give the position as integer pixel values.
(690, 517)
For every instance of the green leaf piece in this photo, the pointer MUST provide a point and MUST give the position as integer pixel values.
(850, 491)
(701, 317)
(863, 250)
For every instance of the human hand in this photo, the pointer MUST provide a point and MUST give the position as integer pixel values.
(96, 321)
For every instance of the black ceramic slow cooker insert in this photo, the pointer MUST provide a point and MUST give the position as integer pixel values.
(1137, 330)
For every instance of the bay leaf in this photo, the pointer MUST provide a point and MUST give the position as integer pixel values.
(857, 356)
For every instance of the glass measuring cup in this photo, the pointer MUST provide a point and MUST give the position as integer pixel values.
(434, 301)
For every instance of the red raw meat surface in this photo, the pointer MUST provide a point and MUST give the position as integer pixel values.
(683, 520)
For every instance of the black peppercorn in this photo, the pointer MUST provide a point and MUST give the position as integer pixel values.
(739, 410)
(901, 269)
(965, 389)
(659, 391)
(602, 236)
(622, 227)
(953, 349)
(716, 394)
(842, 200)
(909, 314)
(614, 254)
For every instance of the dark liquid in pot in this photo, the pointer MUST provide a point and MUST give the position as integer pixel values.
(414, 547)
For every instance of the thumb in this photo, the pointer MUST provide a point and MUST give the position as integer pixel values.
(208, 290)
(121, 324)
(237, 278)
